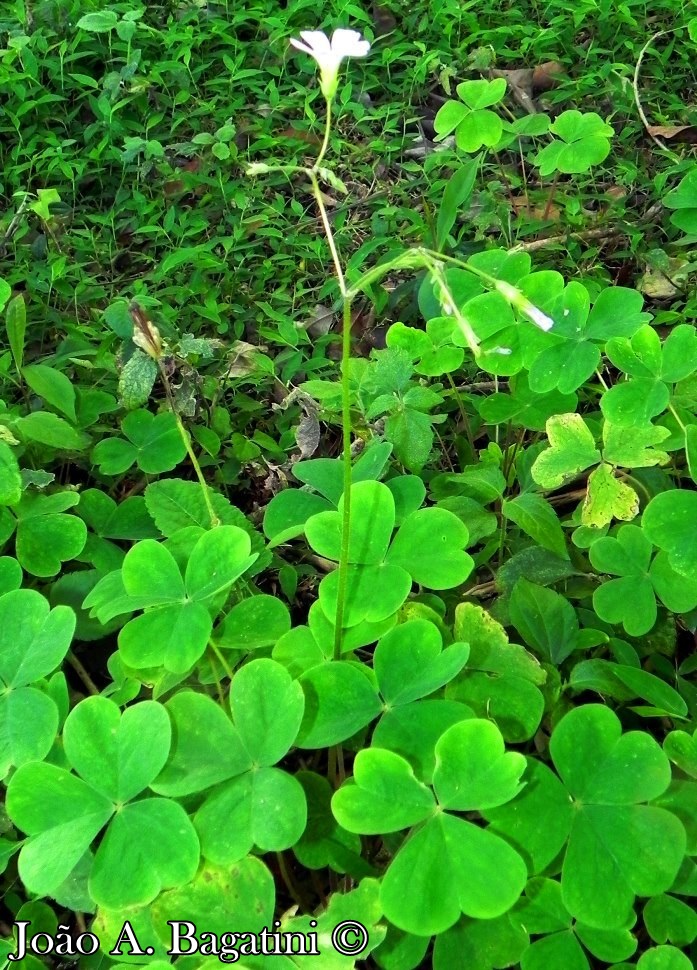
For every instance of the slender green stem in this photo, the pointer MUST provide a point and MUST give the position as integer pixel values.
(677, 417)
(325, 143)
(317, 192)
(346, 518)
(215, 521)
(221, 659)
(345, 394)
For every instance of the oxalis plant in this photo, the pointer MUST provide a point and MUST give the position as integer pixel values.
(407, 778)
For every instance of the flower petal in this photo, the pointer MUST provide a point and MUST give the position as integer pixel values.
(349, 43)
(317, 40)
(302, 47)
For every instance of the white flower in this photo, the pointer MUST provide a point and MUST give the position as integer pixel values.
(330, 53)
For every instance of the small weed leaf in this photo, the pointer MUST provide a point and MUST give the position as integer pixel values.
(584, 142)
(607, 498)
(669, 920)
(137, 380)
(571, 450)
(542, 912)
(664, 958)
(152, 441)
(631, 600)
(536, 517)
(681, 748)
(619, 847)
(10, 479)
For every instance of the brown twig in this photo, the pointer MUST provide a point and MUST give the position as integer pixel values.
(82, 674)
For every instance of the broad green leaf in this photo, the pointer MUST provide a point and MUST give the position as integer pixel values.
(513, 703)
(267, 708)
(538, 820)
(635, 402)
(664, 958)
(153, 441)
(429, 545)
(48, 429)
(447, 867)
(120, 877)
(536, 517)
(618, 848)
(151, 575)
(633, 445)
(206, 747)
(473, 770)
(669, 920)
(265, 808)
(480, 945)
(286, 514)
(53, 386)
(217, 560)
(546, 620)
(410, 662)
(668, 522)
(45, 542)
(117, 754)
(681, 748)
(629, 600)
(373, 593)
(412, 731)
(28, 727)
(384, 795)
(339, 700)
(33, 639)
(571, 450)
(100, 21)
(258, 621)
(173, 637)
(60, 824)
(372, 522)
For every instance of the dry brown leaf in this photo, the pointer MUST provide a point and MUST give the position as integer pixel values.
(684, 134)
(546, 76)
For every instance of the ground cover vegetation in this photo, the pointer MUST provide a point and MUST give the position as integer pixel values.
(348, 451)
